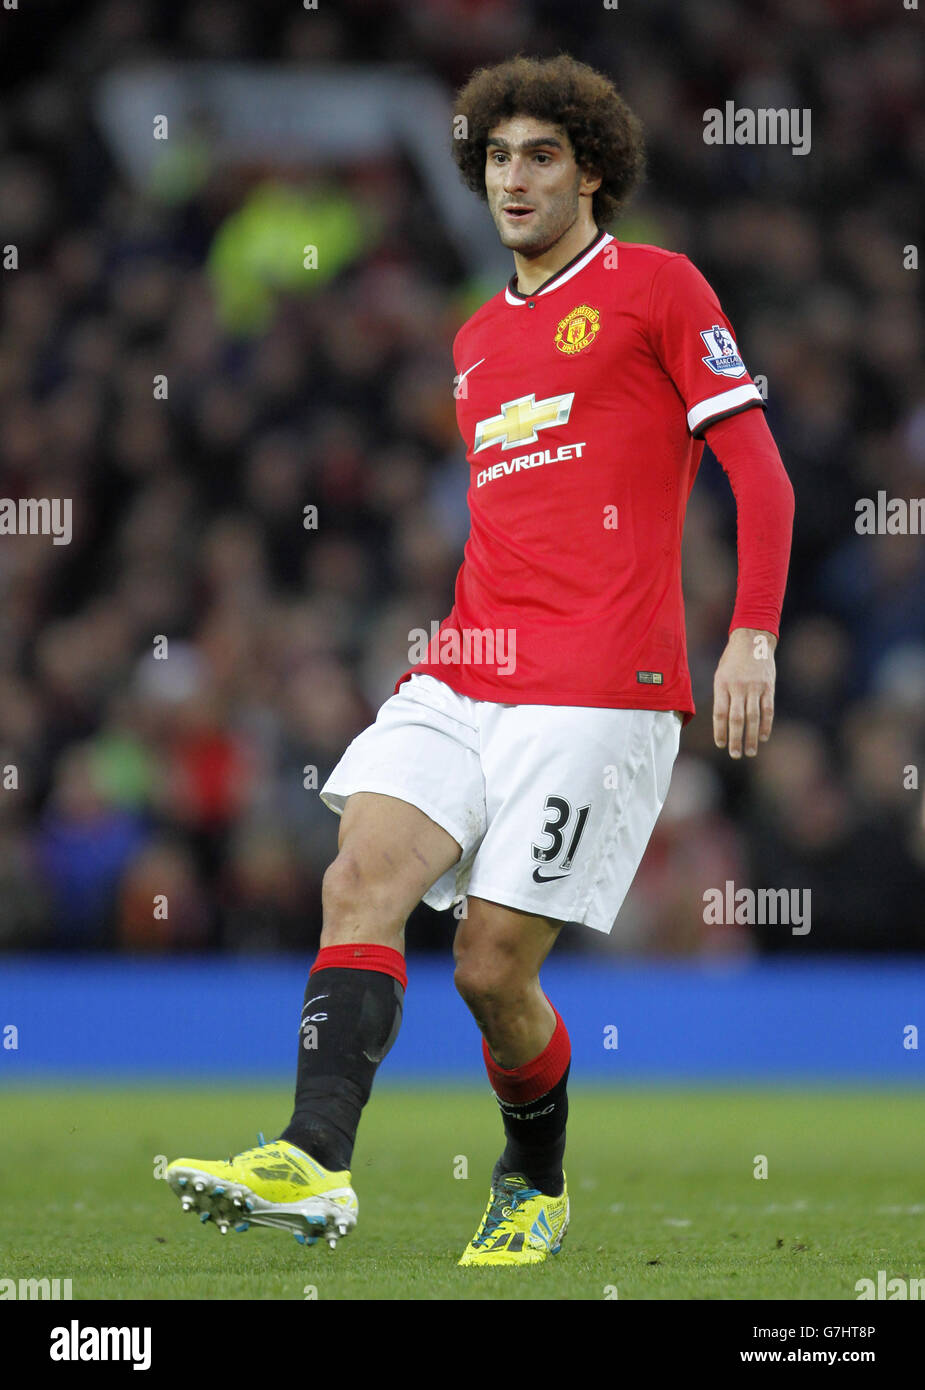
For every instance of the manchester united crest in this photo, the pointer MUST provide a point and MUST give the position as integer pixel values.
(578, 329)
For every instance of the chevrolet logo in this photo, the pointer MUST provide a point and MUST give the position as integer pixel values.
(519, 421)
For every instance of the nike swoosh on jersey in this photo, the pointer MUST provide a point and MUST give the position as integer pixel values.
(546, 878)
(463, 375)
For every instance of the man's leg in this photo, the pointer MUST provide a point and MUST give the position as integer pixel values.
(389, 854)
(498, 953)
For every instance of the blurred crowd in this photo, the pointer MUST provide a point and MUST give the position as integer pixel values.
(177, 682)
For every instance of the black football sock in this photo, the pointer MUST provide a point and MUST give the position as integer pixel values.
(534, 1107)
(350, 1019)
(535, 1134)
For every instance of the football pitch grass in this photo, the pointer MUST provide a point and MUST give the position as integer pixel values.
(665, 1202)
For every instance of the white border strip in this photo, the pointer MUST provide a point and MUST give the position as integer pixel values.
(579, 265)
(718, 405)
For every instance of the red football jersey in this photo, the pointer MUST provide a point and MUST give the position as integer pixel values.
(582, 406)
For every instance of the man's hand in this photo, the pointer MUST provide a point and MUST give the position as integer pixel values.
(743, 691)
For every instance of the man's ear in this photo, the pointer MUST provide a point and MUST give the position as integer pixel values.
(590, 183)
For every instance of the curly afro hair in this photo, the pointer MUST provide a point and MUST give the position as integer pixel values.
(605, 135)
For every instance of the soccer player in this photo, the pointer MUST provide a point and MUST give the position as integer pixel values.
(523, 764)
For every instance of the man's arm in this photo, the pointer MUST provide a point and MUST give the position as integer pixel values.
(743, 687)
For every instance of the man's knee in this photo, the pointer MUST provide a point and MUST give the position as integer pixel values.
(344, 884)
(357, 904)
(491, 974)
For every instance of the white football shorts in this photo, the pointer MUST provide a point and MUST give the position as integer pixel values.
(552, 805)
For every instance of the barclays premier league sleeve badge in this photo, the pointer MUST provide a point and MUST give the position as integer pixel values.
(724, 357)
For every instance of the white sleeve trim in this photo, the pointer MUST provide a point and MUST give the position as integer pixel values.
(721, 404)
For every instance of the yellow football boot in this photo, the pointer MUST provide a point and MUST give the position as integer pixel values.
(273, 1185)
(521, 1226)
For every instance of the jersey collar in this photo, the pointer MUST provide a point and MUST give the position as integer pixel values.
(513, 296)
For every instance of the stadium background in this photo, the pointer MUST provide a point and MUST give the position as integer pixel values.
(332, 387)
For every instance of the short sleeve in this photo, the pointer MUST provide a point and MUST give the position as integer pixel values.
(695, 344)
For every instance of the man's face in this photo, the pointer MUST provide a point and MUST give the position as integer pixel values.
(533, 183)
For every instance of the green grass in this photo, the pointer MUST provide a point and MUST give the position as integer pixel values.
(664, 1201)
